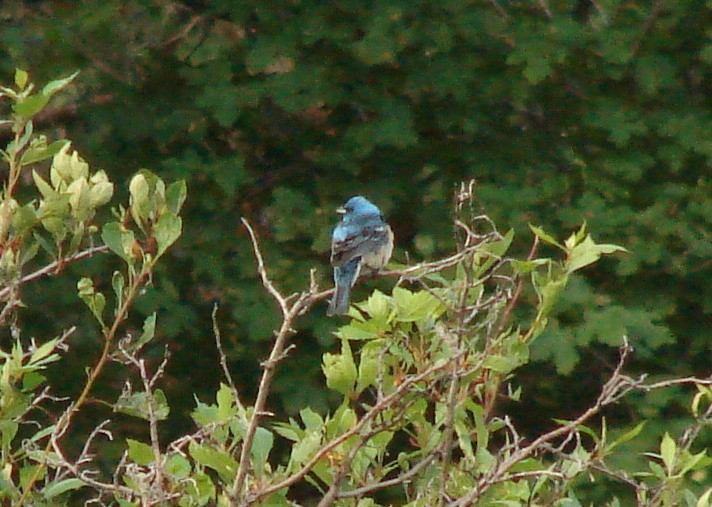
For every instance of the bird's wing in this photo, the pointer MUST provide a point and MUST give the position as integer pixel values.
(356, 239)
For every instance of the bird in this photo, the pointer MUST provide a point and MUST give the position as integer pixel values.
(361, 240)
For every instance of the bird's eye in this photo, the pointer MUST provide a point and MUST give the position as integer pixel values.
(349, 208)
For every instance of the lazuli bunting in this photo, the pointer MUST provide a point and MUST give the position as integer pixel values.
(361, 239)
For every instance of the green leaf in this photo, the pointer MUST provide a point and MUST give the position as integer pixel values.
(20, 78)
(416, 306)
(45, 189)
(668, 448)
(500, 364)
(117, 239)
(312, 420)
(32, 379)
(625, 437)
(149, 331)
(226, 403)
(166, 231)
(43, 351)
(55, 489)
(175, 196)
(221, 462)
(543, 236)
(136, 405)
(704, 500)
(36, 153)
(304, 449)
(118, 283)
(139, 452)
(368, 364)
(587, 252)
(178, 466)
(340, 370)
(30, 106)
(54, 86)
(261, 447)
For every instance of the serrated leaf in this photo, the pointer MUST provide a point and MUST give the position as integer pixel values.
(221, 462)
(312, 420)
(340, 370)
(139, 452)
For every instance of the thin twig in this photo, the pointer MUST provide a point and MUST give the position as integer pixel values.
(223, 357)
(290, 311)
(325, 449)
(52, 267)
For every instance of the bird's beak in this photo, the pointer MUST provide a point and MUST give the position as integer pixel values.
(340, 210)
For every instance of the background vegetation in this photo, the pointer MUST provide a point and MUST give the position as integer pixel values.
(563, 111)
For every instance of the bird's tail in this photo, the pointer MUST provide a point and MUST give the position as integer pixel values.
(339, 304)
(344, 278)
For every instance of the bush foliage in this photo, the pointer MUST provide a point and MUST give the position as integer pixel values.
(563, 111)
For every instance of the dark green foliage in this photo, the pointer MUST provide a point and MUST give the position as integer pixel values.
(563, 111)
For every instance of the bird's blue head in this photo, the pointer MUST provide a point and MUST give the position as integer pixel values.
(358, 206)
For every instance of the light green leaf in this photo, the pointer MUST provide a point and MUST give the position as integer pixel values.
(312, 420)
(136, 405)
(54, 86)
(625, 437)
(175, 196)
(20, 78)
(115, 237)
(587, 252)
(149, 331)
(139, 452)
(667, 453)
(166, 231)
(221, 462)
(57, 488)
(178, 466)
(117, 283)
(38, 152)
(261, 446)
(31, 105)
(43, 351)
(704, 500)
(45, 189)
(543, 236)
(340, 370)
